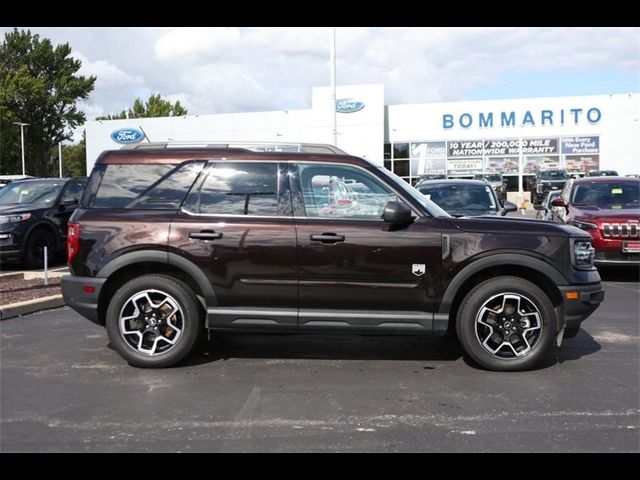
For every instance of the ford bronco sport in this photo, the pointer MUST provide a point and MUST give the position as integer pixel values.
(170, 240)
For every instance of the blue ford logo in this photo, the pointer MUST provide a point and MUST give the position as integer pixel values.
(348, 105)
(127, 135)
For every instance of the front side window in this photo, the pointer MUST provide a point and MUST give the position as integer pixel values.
(73, 192)
(342, 191)
(461, 197)
(237, 188)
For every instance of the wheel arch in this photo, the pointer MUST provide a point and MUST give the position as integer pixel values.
(46, 225)
(135, 264)
(518, 265)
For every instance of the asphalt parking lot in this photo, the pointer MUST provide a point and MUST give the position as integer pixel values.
(62, 389)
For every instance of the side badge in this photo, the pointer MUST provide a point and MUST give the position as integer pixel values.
(419, 269)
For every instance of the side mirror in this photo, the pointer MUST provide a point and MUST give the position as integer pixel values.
(508, 207)
(397, 213)
(68, 202)
(540, 207)
(558, 202)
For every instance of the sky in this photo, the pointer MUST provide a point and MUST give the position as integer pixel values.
(226, 69)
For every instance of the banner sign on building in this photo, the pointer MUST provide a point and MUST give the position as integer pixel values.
(576, 145)
(502, 164)
(466, 166)
(429, 158)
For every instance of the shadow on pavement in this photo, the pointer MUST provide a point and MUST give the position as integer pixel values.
(620, 274)
(326, 347)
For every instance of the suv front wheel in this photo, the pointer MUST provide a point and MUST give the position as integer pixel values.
(154, 321)
(507, 324)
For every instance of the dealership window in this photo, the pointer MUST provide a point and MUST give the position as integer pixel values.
(387, 151)
(400, 150)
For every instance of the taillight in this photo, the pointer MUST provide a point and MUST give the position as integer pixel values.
(73, 240)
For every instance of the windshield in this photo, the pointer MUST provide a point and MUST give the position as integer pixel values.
(428, 205)
(493, 178)
(18, 193)
(460, 196)
(553, 175)
(609, 195)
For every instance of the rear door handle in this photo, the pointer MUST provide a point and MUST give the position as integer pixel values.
(327, 238)
(205, 235)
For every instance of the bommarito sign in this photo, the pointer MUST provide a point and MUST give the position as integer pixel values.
(561, 117)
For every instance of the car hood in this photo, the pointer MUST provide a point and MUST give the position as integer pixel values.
(21, 208)
(472, 213)
(513, 226)
(588, 213)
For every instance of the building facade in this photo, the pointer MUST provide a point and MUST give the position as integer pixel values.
(515, 137)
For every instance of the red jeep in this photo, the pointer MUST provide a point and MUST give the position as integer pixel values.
(609, 209)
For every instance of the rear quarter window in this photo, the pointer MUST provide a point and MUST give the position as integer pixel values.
(143, 186)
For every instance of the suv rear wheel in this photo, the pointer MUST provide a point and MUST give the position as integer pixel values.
(154, 321)
(506, 323)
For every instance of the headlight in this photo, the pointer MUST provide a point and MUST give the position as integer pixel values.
(14, 218)
(583, 225)
(583, 254)
(539, 188)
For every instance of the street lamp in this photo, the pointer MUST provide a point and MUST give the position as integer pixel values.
(22, 125)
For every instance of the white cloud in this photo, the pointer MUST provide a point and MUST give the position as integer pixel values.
(251, 69)
(224, 87)
(194, 44)
(291, 40)
(107, 74)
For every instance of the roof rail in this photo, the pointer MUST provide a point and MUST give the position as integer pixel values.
(253, 146)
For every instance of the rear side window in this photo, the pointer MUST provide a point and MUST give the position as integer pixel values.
(146, 186)
(237, 188)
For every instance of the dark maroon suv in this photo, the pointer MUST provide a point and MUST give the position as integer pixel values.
(172, 240)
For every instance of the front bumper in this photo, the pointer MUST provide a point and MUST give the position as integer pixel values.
(74, 294)
(587, 300)
(10, 246)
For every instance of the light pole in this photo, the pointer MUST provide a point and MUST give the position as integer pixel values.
(22, 125)
(334, 127)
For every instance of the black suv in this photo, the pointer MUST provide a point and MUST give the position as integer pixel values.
(169, 241)
(547, 181)
(34, 214)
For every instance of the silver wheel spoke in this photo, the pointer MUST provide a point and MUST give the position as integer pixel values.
(146, 327)
(516, 324)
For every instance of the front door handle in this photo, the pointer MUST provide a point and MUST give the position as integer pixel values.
(327, 238)
(205, 235)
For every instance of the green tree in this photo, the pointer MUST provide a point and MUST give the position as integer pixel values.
(74, 158)
(155, 106)
(39, 86)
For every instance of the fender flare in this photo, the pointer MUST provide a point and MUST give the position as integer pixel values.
(167, 258)
(47, 225)
(489, 261)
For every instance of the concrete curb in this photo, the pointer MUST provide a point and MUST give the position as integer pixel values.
(30, 306)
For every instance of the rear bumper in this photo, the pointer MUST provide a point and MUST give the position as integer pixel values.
(86, 304)
(578, 309)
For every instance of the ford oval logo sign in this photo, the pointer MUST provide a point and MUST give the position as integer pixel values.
(127, 135)
(348, 105)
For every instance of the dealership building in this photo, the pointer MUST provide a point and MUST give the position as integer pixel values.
(515, 137)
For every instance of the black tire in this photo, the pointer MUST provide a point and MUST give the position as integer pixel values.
(470, 331)
(33, 256)
(189, 318)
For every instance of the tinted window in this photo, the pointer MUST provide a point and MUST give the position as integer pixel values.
(460, 197)
(341, 191)
(237, 188)
(23, 193)
(73, 192)
(553, 175)
(610, 195)
(148, 186)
